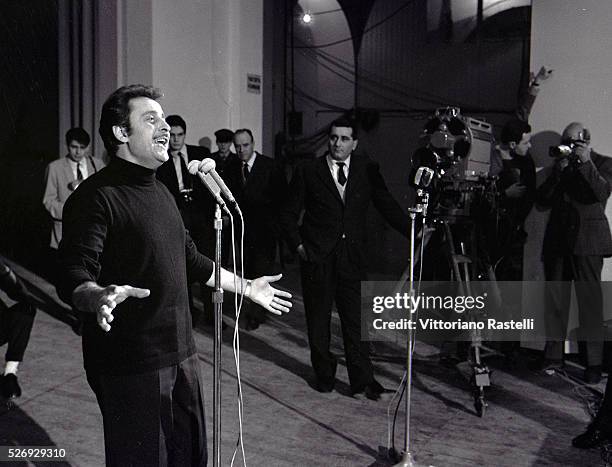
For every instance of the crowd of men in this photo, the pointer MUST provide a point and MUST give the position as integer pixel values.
(128, 238)
(131, 237)
(576, 240)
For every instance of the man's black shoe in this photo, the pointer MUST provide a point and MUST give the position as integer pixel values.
(324, 387)
(592, 437)
(251, 324)
(592, 374)
(372, 391)
(548, 366)
(77, 326)
(10, 386)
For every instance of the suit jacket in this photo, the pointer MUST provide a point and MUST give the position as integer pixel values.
(514, 211)
(59, 180)
(327, 219)
(221, 164)
(577, 197)
(260, 198)
(166, 173)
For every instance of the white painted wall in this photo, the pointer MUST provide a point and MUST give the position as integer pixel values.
(246, 46)
(198, 52)
(575, 39)
(135, 42)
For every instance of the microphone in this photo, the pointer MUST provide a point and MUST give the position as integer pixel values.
(207, 180)
(208, 167)
(423, 177)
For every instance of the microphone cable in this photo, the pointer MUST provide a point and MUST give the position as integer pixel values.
(214, 187)
(236, 337)
(401, 389)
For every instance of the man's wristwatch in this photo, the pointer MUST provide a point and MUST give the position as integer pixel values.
(247, 289)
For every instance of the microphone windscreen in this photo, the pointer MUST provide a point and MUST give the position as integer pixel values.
(193, 167)
(207, 165)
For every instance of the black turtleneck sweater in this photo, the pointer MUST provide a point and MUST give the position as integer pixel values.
(122, 226)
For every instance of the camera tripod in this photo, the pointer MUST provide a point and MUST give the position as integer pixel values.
(465, 255)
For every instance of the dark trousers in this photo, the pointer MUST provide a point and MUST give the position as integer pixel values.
(15, 327)
(154, 418)
(322, 284)
(585, 271)
(258, 261)
(510, 271)
(604, 413)
(199, 222)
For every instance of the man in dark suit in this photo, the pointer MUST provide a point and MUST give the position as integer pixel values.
(577, 239)
(335, 192)
(260, 188)
(194, 203)
(224, 139)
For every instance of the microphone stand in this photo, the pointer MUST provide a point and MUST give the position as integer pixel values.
(420, 208)
(218, 313)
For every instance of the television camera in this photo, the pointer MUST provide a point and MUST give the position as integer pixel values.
(457, 198)
(457, 150)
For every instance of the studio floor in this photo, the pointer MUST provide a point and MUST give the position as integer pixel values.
(530, 420)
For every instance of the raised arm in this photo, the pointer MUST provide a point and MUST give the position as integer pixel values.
(527, 99)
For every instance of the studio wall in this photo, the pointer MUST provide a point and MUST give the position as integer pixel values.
(202, 52)
(574, 38)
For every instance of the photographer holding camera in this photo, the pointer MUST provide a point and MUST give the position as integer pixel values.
(577, 239)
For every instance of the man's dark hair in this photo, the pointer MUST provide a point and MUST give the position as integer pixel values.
(514, 130)
(344, 122)
(247, 131)
(79, 135)
(116, 112)
(176, 120)
(224, 135)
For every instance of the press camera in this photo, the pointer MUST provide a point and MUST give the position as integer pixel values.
(566, 149)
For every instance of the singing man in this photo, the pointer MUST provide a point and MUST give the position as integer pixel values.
(125, 256)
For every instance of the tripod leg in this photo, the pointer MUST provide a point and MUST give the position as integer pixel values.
(481, 373)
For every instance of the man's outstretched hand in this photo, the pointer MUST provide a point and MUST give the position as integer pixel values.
(270, 298)
(91, 298)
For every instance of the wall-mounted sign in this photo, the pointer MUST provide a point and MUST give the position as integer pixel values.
(254, 83)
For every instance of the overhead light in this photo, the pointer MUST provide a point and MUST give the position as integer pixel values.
(306, 18)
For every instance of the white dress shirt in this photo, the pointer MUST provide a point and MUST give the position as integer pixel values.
(83, 166)
(177, 165)
(333, 167)
(250, 162)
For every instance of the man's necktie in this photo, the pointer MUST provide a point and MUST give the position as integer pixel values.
(79, 174)
(245, 172)
(341, 176)
(184, 171)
